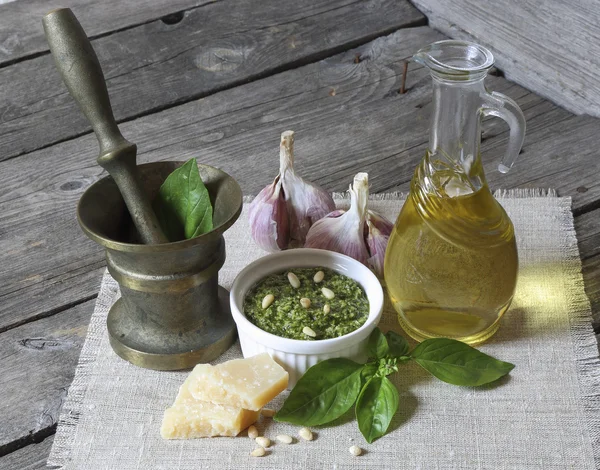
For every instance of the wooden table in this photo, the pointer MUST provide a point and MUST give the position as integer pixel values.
(219, 81)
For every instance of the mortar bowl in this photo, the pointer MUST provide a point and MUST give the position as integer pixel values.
(172, 313)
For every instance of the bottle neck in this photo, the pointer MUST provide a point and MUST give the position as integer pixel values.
(455, 134)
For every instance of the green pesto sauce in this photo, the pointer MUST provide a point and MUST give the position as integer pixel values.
(286, 317)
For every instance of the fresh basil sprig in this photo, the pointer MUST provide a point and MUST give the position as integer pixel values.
(183, 204)
(328, 389)
(325, 392)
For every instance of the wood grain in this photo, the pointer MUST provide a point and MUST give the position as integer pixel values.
(32, 457)
(588, 233)
(549, 47)
(21, 32)
(38, 363)
(346, 111)
(348, 117)
(588, 237)
(591, 276)
(157, 65)
(46, 185)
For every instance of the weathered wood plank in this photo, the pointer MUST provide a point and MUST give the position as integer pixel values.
(39, 191)
(588, 236)
(348, 117)
(53, 289)
(21, 32)
(157, 65)
(588, 233)
(548, 47)
(32, 457)
(38, 363)
(591, 276)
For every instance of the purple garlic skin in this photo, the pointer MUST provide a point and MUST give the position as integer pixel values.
(283, 212)
(380, 222)
(306, 204)
(326, 234)
(377, 244)
(358, 232)
(268, 218)
(345, 233)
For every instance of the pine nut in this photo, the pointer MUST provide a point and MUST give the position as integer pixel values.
(319, 276)
(268, 412)
(252, 432)
(268, 300)
(306, 434)
(263, 441)
(328, 293)
(355, 450)
(305, 302)
(294, 281)
(284, 438)
(258, 452)
(326, 308)
(309, 331)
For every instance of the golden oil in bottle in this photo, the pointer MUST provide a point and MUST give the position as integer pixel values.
(451, 262)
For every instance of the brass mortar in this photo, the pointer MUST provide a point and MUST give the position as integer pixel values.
(172, 313)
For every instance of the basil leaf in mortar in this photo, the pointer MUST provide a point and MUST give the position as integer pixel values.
(457, 363)
(376, 406)
(325, 392)
(183, 205)
(377, 346)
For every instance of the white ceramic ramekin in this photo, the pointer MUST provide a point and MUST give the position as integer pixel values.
(296, 356)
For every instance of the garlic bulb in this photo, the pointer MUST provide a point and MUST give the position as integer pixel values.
(358, 232)
(284, 211)
(269, 219)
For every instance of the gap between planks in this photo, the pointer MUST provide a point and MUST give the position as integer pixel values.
(69, 122)
(47, 314)
(311, 59)
(164, 18)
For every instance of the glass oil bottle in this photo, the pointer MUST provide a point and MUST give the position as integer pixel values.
(451, 262)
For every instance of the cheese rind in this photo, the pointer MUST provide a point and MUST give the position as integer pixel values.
(243, 383)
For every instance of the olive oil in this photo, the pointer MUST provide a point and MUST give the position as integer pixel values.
(451, 262)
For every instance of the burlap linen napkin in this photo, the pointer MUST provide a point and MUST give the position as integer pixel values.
(546, 415)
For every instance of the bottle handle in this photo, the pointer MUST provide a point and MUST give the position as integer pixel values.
(499, 105)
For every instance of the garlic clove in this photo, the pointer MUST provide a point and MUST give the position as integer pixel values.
(380, 222)
(377, 243)
(306, 202)
(268, 218)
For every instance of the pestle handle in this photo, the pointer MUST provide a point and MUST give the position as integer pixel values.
(78, 65)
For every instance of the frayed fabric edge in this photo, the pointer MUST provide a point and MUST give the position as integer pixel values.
(584, 341)
(517, 193)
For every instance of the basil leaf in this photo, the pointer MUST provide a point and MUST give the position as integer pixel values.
(325, 392)
(376, 406)
(377, 346)
(368, 371)
(458, 363)
(183, 205)
(398, 346)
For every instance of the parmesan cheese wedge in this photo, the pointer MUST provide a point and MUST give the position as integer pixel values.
(241, 383)
(204, 419)
(189, 418)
